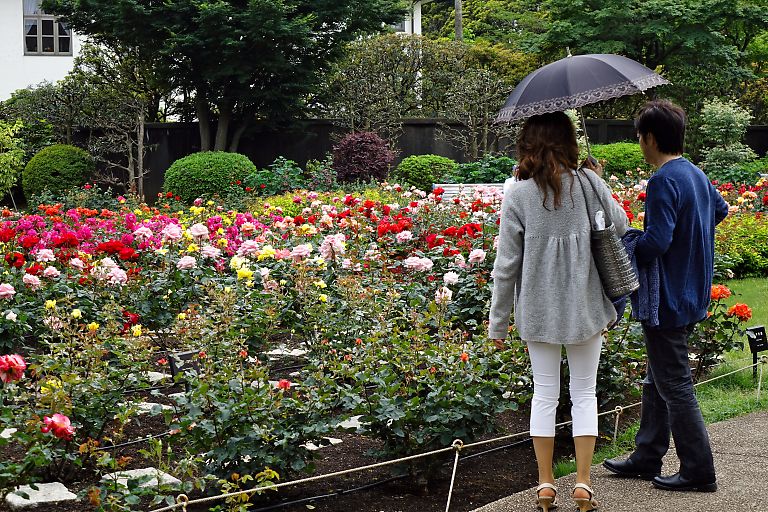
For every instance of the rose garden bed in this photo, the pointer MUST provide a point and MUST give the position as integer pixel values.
(280, 322)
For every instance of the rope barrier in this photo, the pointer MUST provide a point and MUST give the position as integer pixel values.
(457, 445)
(182, 501)
(618, 410)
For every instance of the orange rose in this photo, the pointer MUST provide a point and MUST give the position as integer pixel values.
(740, 311)
(720, 291)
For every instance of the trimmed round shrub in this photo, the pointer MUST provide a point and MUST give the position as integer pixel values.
(57, 168)
(205, 174)
(620, 157)
(362, 156)
(423, 170)
(489, 169)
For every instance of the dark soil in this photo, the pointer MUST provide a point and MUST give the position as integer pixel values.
(480, 479)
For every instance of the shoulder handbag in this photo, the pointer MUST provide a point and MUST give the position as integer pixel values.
(611, 259)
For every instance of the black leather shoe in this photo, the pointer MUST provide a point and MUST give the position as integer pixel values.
(678, 483)
(629, 469)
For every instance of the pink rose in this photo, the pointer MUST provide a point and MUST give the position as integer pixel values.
(45, 255)
(171, 232)
(198, 230)
(451, 278)
(77, 263)
(59, 425)
(12, 368)
(333, 245)
(117, 276)
(248, 248)
(186, 263)
(210, 251)
(32, 281)
(418, 264)
(51, 272)
(301, 251)
(477, 256)
(7, 291)
(404, 236)
(443, 295)
(142, 232)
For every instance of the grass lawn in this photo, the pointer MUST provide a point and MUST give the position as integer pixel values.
(724, 398)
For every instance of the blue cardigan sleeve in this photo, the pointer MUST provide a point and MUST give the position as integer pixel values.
(660, 219)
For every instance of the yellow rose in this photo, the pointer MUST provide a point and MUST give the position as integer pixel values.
(76, 313)
(223, 242)
(93, 327)
(320, 284)
(236, 262)
(227, 289)
(323, 297)
(50, 304)
(244, 273)
(192, 248)
(266, 252)
(181, 316)
(161, 252)
(136, 330)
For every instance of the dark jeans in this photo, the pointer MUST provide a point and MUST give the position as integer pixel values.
(670, 406)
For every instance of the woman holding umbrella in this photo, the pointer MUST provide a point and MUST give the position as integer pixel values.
(544, 268)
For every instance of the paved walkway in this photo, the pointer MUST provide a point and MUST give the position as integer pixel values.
(740, 448)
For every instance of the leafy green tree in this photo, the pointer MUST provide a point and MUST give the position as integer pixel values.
(699, 44)
(11, 155)
(242, 59)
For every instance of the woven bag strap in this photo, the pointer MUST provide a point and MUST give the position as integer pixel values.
(608, 220)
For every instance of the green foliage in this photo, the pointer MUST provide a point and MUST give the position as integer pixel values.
(723, 127)
(57, 168)
(206, 173)
(743, 239)
(489, 169)
(422, 171)
(11, 155)
(281, 176)
(620, 157)
(88, 196)
(321, 175)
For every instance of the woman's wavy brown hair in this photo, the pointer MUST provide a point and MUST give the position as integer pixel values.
(547, 147)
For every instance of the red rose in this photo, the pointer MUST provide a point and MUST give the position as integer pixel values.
(7, 234)
(35, 269)
(15, 259)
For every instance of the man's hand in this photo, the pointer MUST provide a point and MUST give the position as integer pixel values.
(500, 344)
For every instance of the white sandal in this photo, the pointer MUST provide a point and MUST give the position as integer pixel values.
(585, 504)
(546, 503)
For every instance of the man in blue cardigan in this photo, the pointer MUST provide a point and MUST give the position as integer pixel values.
(681, 211)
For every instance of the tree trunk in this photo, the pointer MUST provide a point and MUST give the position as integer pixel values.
(203, 119)
(140, 155)
(131, 165)
(222, 130)
(241, 127)
(459, 21)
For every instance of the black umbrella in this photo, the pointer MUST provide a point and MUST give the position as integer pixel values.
(576, 81)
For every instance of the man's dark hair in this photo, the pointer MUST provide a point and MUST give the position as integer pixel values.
(666, 121)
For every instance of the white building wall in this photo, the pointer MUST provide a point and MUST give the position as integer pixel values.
(18, 71)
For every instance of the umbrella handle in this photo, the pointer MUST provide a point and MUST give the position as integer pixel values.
(586, 137)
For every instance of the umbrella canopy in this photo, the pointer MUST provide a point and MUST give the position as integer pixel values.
(576, 81)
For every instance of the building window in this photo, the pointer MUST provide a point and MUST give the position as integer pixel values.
(44, 34)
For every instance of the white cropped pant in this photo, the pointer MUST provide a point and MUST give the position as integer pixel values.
(583, 359)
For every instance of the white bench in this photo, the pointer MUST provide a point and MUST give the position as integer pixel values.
(454, 189)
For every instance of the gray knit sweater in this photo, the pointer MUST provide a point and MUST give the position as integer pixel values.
(544, 266)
